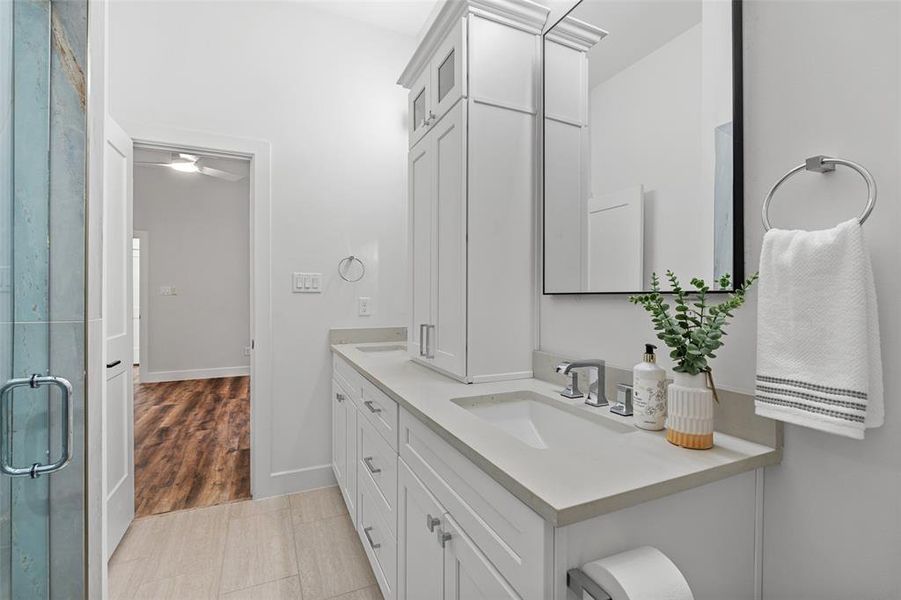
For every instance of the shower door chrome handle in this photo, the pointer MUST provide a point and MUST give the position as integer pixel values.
(66, 431)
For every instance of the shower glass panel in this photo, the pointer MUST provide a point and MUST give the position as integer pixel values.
(42, 298)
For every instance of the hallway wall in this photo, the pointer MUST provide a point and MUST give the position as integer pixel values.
(199, 244)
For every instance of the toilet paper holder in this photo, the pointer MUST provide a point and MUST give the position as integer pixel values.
(582, 584)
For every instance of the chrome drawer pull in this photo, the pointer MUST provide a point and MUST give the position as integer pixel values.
(372, 407)
(372, 544)
(422, 327)
(368, 462)
(432, 522)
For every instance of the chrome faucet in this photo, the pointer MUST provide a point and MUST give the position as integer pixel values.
(596, 395)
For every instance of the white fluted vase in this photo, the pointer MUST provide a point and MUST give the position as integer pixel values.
(689, 416)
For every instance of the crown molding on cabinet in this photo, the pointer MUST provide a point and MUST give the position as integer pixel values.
(522, 14)
(576, 34)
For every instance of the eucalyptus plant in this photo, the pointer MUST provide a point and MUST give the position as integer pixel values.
(693, 330)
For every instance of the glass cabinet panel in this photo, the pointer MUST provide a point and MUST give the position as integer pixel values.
(419, 110)
(446, 76)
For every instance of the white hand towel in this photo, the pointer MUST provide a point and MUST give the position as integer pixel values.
(818, 358)
(644, 573)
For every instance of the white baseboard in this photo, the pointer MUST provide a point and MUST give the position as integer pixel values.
(296, 480)
(160, 376)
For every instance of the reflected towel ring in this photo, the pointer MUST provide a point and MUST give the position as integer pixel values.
(824, 164)
(345, 263)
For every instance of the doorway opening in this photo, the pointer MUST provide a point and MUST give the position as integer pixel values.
(191, 274)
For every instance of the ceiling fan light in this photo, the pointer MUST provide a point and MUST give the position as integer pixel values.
(185, 167)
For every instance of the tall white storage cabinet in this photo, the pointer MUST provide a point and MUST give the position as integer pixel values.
(473, 102)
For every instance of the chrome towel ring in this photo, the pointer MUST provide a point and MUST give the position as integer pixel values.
(345, 264)
(824, 164)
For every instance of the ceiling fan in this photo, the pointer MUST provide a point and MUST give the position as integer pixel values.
(191, 163)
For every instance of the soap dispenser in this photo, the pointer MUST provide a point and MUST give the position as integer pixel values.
(649, 392)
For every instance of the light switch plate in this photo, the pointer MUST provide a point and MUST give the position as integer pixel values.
(306, 283)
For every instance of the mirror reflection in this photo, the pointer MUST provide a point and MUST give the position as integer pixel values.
(640, 144)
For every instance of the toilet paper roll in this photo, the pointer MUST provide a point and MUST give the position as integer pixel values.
(644, 573)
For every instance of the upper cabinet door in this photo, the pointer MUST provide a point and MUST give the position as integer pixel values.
(420, 107)
(421, 200)
(446, 340)
(448, 71)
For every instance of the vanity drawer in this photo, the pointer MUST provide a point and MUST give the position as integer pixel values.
(507, 531)
(348, 377)
(378, 464)
(381, 411)
(378, 539)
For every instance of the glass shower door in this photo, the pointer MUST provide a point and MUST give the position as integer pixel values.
(42, 298)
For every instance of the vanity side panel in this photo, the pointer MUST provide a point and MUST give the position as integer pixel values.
(708, 532)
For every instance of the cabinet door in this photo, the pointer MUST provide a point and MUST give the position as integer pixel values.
(468, 575)
(420, 107)
(447, 336)
(350, 472)
(448, 71)
(420, 556)
(340, 402)
(421, 207)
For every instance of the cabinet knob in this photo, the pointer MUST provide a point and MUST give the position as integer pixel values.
(339, 397)
(444, 537)
(432, 522)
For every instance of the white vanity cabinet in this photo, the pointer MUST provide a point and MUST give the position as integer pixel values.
(473, 100)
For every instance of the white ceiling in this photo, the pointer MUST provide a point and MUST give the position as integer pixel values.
(635, 28)
(407, 17)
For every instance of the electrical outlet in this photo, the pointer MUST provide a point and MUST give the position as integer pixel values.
(364, 306)
(168, 290)
(246, 350)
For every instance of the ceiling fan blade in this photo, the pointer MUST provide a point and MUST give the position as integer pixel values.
(220, 174)
(188, 157)
(152, 164)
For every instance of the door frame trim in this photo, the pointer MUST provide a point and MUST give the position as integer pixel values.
(259, 153)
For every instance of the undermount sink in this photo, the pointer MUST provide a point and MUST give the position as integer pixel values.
(384, 348)
(541, 422)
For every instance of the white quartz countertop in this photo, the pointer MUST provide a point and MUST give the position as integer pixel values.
(563, 486)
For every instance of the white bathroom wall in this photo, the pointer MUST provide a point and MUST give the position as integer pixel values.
(646, 130)
(321, 89)
(820, 77)
(199, 244)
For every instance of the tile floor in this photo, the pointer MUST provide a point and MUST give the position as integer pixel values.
(301, 546)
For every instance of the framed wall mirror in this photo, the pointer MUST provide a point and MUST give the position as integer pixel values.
(642, 144)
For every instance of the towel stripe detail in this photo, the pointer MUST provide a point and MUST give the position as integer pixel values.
(811, 397)
(812, 409)
(814, 387)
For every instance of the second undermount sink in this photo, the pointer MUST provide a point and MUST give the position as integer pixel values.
(542, 422)
(382, 348)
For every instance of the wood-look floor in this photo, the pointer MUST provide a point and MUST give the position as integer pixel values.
(192, 444)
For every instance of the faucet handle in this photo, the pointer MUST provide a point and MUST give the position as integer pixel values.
(623, 404)
(562, 367)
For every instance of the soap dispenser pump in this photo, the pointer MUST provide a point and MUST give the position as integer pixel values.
(649, 392)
